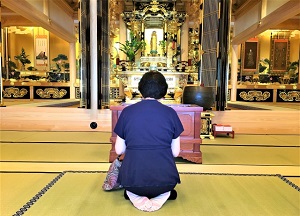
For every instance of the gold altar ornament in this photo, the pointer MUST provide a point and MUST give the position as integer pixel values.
(249, 96)
(290, 95)
(14, 92)
(47, 92)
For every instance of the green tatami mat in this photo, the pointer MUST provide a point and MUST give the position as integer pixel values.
(295, 180)
(62, 152)
(250, 155)
(81, 194)
(18, 188)
(256, 140)
(104, 137)
(66, 152)
(50, 136)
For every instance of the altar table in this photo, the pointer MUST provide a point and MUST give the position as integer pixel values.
(190, 117)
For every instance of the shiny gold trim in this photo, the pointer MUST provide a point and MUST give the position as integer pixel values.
(54, 92)
(290, 96)
(15, 92)
(204, 126)
(251, 95)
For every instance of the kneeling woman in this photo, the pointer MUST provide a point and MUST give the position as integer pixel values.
(148, 133)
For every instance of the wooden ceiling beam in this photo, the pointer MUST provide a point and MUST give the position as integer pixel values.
(29, 12)
(64, 5)
(283, 13)
(16, 20)
(290, 24)
(244, 8)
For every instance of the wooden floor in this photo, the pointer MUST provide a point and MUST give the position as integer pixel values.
(248, 118)
(237, 105)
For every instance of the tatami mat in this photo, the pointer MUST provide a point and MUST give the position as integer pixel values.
(295, 180)
(64, 152)
(104, 137)
(54, 136)
(251, 155)
(18, 188)
(81, 194)
(54, 152)
(26, 157)
(246, 139)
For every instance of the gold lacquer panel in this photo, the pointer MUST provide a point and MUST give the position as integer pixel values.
(257, 95)
(16, 92)
(51, 92)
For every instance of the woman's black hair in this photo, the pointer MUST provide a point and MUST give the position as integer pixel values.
(153, 84)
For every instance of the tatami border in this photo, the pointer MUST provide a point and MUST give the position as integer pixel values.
(34, 199)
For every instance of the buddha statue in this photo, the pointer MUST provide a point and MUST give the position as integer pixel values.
(153, 43)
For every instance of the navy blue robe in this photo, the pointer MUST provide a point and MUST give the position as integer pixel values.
(148, 128)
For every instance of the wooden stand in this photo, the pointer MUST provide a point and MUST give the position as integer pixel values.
(216, 132)
(226, 132)
(190, 116)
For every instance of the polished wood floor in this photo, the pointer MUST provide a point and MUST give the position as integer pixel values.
(237, 105)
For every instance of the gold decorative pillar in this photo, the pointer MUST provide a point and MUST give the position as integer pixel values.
(122, 37)
(72, 61)
(179, 44)
(234, 72)
(143, 36)
(93, 57)
(185, 40)
(165, 32)
(1, 80)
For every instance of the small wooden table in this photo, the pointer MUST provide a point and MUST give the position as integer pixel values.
(227, 129)
(190, 117)
(215, 133)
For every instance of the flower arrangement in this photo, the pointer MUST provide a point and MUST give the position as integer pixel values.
(132, 46)
(163, 45)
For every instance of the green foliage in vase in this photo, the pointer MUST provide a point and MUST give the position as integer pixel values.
(12, 66)
(292, 68)
(132, 46)
(60, 61)
(163, 45)
(23, 58)
(293, 65)
(261, 68)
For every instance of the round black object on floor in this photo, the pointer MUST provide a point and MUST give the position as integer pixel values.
(93, 125)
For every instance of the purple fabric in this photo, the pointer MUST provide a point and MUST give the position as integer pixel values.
(110, 182)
